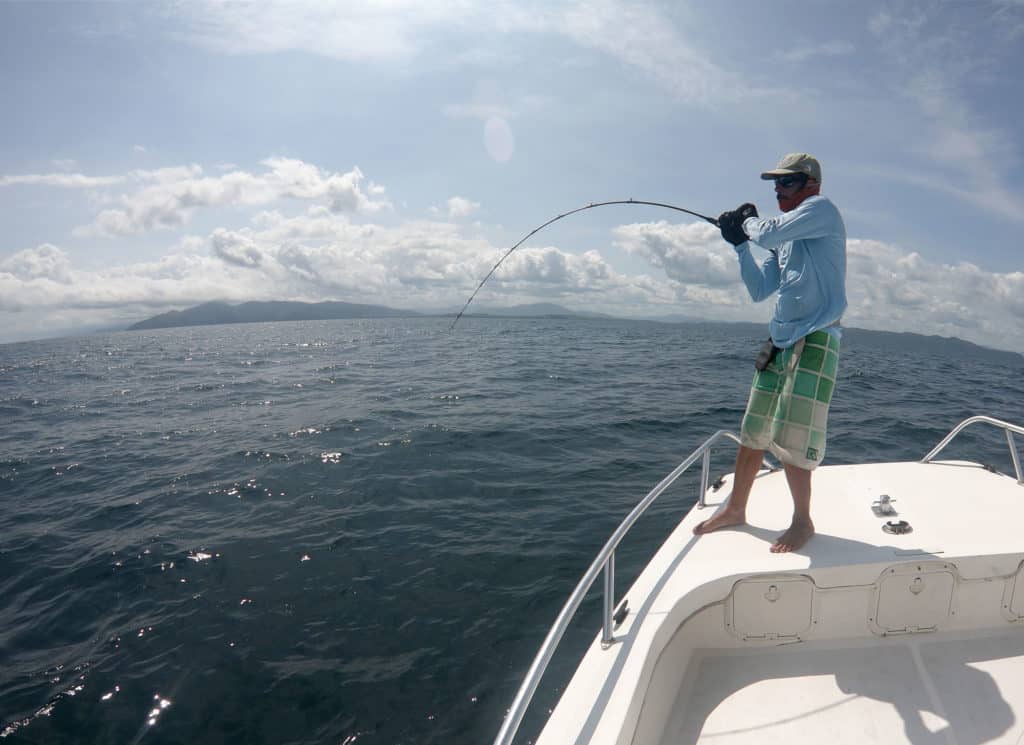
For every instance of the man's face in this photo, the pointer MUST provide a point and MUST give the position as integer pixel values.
(789, 190)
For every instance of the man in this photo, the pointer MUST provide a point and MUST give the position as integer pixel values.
(789, 399)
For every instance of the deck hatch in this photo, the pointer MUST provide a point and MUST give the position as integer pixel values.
(772, 608)
(913, 598)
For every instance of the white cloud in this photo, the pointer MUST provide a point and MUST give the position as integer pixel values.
(834, 48)
(235, 248)
(689, 253)
(990, 196)
(891, 289)
(176, 193)
(328, 251)
(640, 35)
(937, 60)
(314, 256)
(888, 288)
(551, 266)
(348, 31)
(321, 255)
(67, 180)
(45, 278)
(461, 207)
(45, 262)
(63, 180)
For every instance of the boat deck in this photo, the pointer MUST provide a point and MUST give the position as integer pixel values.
(953, 691)
(954, 509)
(861, 636)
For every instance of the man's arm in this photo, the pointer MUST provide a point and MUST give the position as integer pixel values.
(813, 219)
(761, 281)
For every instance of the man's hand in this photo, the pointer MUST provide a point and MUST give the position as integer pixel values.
(744, 211)
(731, 226)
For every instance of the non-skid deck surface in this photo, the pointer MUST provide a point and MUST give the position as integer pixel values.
(904, 690)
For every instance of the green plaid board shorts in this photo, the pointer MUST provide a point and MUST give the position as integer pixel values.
(788, 408)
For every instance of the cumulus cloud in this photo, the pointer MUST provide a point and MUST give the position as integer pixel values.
(318, 255)
(321, 254)
(44, 262)
(896, 290)
(172, 195)
(689, 253)
(551, 266)
(235, 248)
(889, 288)
(461, 207)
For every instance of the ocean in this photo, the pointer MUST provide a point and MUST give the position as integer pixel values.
(360, 531)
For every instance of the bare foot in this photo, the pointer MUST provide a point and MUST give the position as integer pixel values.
(723, 519)
(800, 531)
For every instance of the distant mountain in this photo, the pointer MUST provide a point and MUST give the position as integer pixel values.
(260, 312)
(895, 341)
(942, 346)
(256, 312)
(216, 313)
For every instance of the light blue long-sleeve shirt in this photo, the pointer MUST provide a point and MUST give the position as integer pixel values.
(807, 266)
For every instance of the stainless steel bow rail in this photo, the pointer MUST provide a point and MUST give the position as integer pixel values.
(1007, 428)
(605, 561)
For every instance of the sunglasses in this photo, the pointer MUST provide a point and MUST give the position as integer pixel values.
(787, 181)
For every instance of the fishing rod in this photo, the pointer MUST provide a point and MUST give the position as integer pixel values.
(590, 206)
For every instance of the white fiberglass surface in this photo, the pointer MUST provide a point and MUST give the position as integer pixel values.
(959, 692)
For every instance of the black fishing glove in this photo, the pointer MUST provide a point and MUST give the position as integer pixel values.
(729, 224)
(744, 211)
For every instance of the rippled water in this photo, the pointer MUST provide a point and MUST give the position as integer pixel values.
(360, 531)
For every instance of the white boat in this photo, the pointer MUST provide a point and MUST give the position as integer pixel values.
(901, 621)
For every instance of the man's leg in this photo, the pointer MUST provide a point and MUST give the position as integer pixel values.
(748, 463)
(799, 439)
(756, 432)
(801, 529)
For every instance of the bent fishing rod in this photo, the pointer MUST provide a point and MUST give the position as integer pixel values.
(555, 219)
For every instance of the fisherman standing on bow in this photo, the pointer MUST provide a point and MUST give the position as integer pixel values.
(796, 370)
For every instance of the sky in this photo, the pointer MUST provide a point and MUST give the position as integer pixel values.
(157, 155)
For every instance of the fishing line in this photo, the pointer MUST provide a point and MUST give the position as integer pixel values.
(590, 206)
